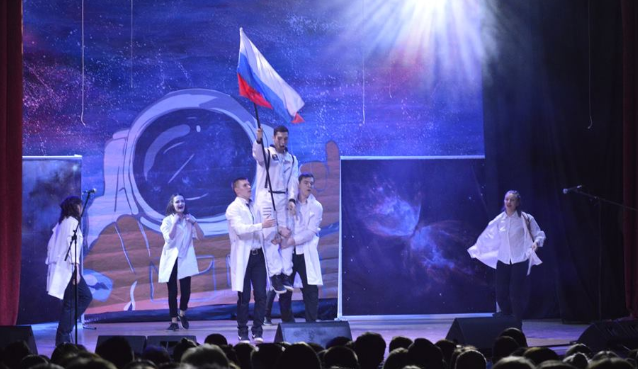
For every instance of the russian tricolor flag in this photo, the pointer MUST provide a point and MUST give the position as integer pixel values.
(260, 83)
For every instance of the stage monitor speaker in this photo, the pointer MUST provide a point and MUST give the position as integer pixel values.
(168, 342)
(317, 332)
(480, 332)
(617, 336)
(137, 343)
(12, 333)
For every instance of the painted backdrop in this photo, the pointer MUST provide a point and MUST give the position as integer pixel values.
(146, 91)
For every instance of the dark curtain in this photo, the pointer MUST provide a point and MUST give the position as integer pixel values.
(630, 151)
(10, 158)
(553, 119)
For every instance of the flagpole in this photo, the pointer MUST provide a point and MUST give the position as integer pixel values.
(267, 166)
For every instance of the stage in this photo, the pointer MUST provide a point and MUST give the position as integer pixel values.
(551, 333)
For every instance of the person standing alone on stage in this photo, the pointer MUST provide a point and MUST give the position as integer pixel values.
(247, 264)
(62, 259)
(277, 173)
(509, 245)
(178, 260)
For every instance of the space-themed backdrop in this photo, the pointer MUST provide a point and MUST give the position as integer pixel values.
(146, 92)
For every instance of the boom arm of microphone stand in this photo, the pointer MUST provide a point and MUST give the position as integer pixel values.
(602, 199)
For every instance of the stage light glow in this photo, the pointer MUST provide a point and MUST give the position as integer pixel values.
(424, 33)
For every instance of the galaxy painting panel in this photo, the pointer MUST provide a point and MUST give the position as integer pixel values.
(406, 225)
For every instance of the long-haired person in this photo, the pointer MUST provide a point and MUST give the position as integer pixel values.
(509, 245)
(62, 259)
(178, 261)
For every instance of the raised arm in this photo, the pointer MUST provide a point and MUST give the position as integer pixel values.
(258, 152)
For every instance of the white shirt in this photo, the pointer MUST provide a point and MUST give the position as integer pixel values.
(509, 239)
(512, 249)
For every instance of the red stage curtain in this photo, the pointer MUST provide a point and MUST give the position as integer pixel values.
(10, 158)
(630, 151)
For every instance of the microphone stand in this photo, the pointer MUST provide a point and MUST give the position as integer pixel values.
(599, 201)
(74, 278)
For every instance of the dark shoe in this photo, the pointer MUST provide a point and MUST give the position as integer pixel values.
(501, 314)
(257, 339)
(243, 338)
(285, 280)
(173, 327)
(277, 286)
(184, 320)
(61, 338)
(267, 321)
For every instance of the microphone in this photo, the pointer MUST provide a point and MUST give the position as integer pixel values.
(92, 190)
(571, 189)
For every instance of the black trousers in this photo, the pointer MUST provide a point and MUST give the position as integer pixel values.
(255, 276)
(512, 288)
(185, 289)
(309, 292)
(67, 317)
(270, 300)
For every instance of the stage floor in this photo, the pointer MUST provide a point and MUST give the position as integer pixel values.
(551, 333)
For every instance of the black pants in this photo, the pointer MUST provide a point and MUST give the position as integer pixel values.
(255, 276)
(511, 288)
(185, 289)
(67, 318)
(270, 300)
(309, 292)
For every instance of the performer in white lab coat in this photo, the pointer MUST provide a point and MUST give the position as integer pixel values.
(509, 245)
(247, 264)
(178, 260)
(303, 242)
(62, 257)
(283, 169)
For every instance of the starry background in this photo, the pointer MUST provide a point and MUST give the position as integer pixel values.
(371, 95)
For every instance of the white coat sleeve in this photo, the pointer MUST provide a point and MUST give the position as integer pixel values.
(488, 241)
(310, 228)
(165, 228)
(69, 226)
(238, 225)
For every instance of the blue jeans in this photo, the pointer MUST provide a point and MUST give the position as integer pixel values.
(67, 318)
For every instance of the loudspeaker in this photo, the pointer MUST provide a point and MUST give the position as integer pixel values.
(138, 343)
(480, 332)
(317, 332)
(611, 336)
(13, 333)
(168, 342)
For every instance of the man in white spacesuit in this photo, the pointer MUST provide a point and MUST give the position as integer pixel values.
(276, 195)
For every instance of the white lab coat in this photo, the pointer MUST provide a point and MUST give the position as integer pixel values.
(60, 271)
(180, 249)
(489, 242)
(244, 229)
(306, 235)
